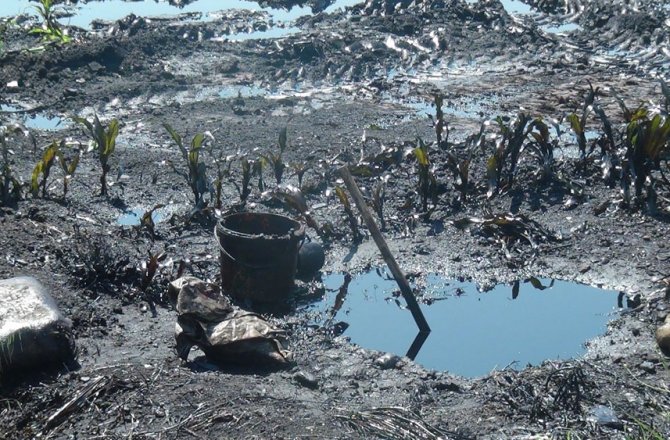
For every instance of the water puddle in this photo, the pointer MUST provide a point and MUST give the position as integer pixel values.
(133, 217)
(561, 29)
(473, 333)
(516, 7)
(83, 14)
(511, 6)
(36, 121)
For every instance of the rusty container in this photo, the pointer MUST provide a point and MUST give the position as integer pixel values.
(258, 255)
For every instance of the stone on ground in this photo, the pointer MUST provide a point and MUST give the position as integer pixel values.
(34, 335)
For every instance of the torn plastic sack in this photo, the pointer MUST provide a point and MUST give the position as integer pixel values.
(226, 335)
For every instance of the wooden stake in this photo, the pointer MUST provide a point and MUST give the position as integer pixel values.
(398, 274)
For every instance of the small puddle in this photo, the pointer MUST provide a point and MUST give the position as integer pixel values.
(83, 13)
(134, 217)
(511, 6)
(37, 121)
(473, 333)
(516, 7)
(561, 29)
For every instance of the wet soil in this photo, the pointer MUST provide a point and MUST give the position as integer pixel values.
(343, 86)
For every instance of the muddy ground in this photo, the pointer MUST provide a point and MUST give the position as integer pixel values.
(345, 85)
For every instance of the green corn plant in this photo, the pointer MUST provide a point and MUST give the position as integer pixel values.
(197, 171)
(147, 220)
(608, 145)
(275, 159)
(353, 223)
(294, 198)
(427, 184)
(542, 148)
(50, 30)
(578, 123)
(104, 140)
(277, 163)
(460, 167)
(244, 189)
(68, 167)
(257, 167)
(515, 138)
(299, 170)
(640, 112)
(43, 167)
(507, 152)
(578, 127)
(149, 268)
(646, 144)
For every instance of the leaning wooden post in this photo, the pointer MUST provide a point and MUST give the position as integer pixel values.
(399, 276)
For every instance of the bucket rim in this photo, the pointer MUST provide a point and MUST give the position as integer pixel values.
(297, 231)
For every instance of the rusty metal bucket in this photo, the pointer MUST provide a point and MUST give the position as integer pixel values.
(258, 255)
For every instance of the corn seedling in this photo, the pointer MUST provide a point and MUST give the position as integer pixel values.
(299, 170)
(378, 199)
(147, 220)
(542, 148)
(10, 187)
(646, 145)
(149, 269)
(244, 188)
(257, 167)
(104, 140)
(441, 127)
(460, 167)
(578, 123)
(344, 200)
(43, 168)
(278, 165)
(50, 30)
(197, 171)
(608, 145)
(427, 185)
(294, 198)
(68, 166)
(507, 152)
(275, 159)
(222, 165)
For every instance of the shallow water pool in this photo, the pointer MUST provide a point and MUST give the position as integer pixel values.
(473, 332)
(109, 10)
